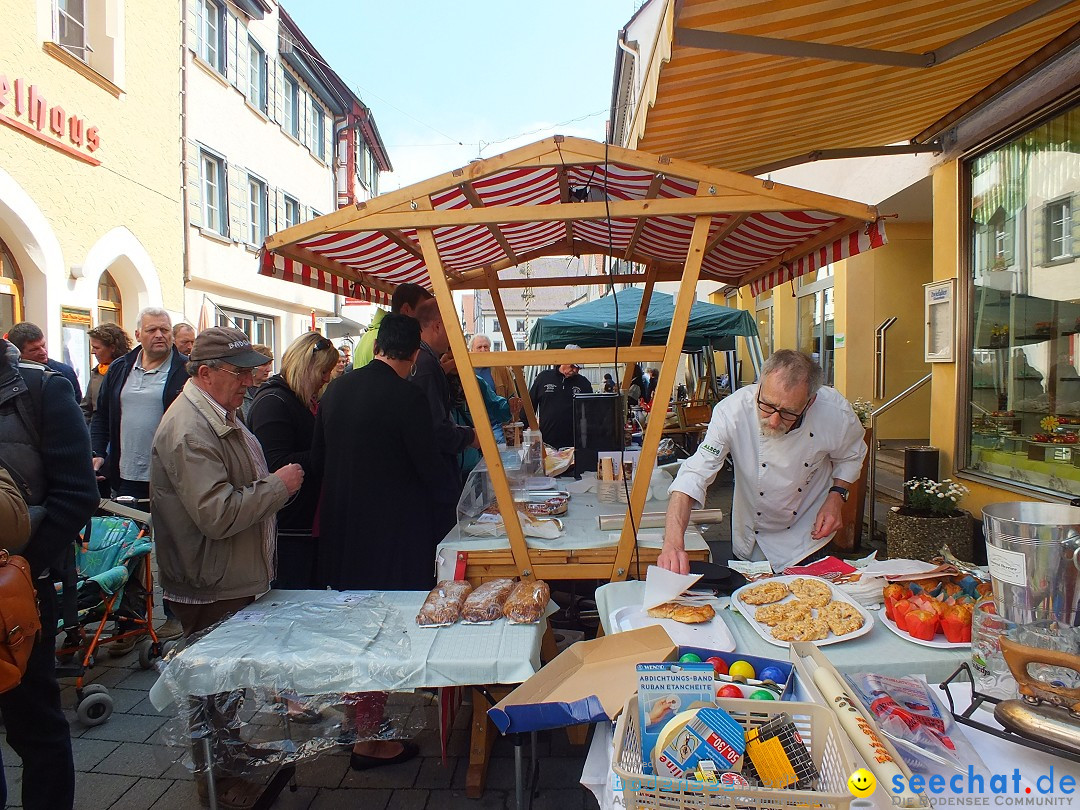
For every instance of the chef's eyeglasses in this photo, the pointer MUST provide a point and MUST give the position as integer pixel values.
(785, 415)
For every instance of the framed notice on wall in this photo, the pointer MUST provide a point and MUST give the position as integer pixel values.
(939, 339)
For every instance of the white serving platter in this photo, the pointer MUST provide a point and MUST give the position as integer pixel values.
(711, 635)
(944, 644)
(765, 631)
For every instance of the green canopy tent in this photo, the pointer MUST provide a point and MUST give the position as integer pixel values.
(592, 324)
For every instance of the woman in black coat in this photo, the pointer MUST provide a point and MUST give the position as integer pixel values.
(282, 417)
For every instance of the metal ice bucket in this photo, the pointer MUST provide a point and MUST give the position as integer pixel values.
(1033, 551)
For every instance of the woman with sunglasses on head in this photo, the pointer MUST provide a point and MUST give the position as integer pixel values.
(796, 447)
(282, 417)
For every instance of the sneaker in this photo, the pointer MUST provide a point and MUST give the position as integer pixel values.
(170, 630)
(119, 649)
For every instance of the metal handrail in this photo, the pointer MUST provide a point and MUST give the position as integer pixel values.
(871, 483)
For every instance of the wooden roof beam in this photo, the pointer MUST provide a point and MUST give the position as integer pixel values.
(725, 231)
(650, 194)
(564, 198)
(474, 199)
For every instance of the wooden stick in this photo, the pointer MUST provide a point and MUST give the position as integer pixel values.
(518, 371)
(639, 325)
(654, 429)
(482, 425)
(554, 357)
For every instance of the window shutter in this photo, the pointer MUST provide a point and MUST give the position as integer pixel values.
(1074, 223)
(194, 30)
(243, 63)
(194, 185)
(1038, 236)
(232, 26)
(279, 208)
(237, 202)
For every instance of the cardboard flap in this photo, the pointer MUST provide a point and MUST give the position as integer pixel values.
(587, 682)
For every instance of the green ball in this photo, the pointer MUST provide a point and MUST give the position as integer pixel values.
(762, 694)
(690, 658)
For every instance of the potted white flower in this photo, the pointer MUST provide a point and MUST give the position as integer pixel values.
(931, 518)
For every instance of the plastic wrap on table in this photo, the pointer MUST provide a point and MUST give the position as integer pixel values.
(443, 605)
(492, 525)
(485, 604)
(922, 729)
(249, 709)
(527, 602)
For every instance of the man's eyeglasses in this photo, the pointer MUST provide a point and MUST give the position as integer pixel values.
(785, 415)
(238, 373)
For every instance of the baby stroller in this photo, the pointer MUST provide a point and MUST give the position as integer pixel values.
(108, 578)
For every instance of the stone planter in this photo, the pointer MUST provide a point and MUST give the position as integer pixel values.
(916, 537)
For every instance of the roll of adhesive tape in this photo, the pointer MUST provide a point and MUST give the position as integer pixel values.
(672, 728)
(862, 735)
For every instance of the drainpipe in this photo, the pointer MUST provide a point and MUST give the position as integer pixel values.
(185, 250)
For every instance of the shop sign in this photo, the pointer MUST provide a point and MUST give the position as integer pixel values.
(23, 107)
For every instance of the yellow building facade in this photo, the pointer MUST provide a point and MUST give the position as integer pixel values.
(91, 225)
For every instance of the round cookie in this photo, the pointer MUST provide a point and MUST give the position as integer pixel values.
(764, 594)
(801, 630)
(812, 591)
(842, 617)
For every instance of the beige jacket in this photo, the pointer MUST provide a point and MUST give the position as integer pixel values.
(504, 382)
(207, 506)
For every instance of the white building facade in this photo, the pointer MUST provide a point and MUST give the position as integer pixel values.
(272, 137)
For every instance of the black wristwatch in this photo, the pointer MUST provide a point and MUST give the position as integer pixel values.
(842, 492)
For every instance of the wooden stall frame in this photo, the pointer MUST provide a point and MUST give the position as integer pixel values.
(718, 192)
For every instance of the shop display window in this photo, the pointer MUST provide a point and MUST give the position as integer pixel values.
(1024, 417)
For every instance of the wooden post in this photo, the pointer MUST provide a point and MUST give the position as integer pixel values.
(639, 325)
(655, 427)
(503, 496)
(508, 336)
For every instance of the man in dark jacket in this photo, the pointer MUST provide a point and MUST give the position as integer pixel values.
(43, 439)
(552, 393)
(30, 341)
(147, 380)
(450, 437)
(137, 390)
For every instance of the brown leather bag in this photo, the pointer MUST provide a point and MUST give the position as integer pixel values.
(20, 622)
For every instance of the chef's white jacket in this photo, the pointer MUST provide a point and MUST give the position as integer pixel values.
(780, 481)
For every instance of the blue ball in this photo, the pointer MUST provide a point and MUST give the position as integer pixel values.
(772, 673)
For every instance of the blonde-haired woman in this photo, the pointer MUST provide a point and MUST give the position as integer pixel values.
(282, 417)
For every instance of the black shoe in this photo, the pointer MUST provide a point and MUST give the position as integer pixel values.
(362, 762)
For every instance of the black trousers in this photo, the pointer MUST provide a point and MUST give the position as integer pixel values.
(35, 723)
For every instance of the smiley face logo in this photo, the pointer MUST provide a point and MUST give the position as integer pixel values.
(861, 783)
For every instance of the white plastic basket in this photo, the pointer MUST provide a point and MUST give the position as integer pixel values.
(817, 726)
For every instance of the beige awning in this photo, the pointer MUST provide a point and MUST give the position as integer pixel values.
(740, 84)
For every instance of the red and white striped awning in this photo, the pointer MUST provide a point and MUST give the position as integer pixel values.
(566, 196)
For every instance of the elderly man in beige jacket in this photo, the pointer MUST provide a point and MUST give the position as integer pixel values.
(213, 502)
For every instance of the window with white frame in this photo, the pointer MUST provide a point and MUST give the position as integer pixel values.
(520, 325)
(257, 75)
(214, 200)
(258, 328)
(816, 318)
(292, 211)
(291, 106)
(69, 27)
(1059, 230)
(520, 345)
(496, 345)
(763, 314)
(211, 42)
(495, 325)
(363, 161)
(257, 217)
(318, 119)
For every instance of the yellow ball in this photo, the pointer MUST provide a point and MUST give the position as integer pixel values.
(741, 669)
(861, 783)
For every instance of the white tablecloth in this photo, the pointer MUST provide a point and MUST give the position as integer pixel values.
(580, 531)
(326, 642)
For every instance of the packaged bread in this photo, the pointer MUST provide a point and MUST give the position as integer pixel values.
(527, 602)
(443, 604)
(485, 604)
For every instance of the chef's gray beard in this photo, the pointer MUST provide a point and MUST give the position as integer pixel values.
(771, 432)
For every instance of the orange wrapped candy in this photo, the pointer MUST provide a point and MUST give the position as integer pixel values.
(921, 624)
(956, 623)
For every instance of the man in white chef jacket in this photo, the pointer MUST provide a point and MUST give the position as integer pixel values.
(796, 447)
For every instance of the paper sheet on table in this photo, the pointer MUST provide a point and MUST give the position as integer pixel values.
(896, 568)
(662, 585)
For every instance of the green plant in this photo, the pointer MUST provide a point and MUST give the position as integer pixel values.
(863, 408)
(940, 498)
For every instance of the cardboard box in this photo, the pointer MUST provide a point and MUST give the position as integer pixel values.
(587, 682)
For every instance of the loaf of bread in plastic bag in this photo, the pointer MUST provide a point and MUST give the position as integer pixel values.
(527, 602)
(485, 604)
(443, 604)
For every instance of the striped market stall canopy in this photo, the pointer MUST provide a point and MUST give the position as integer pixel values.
(568, 196)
